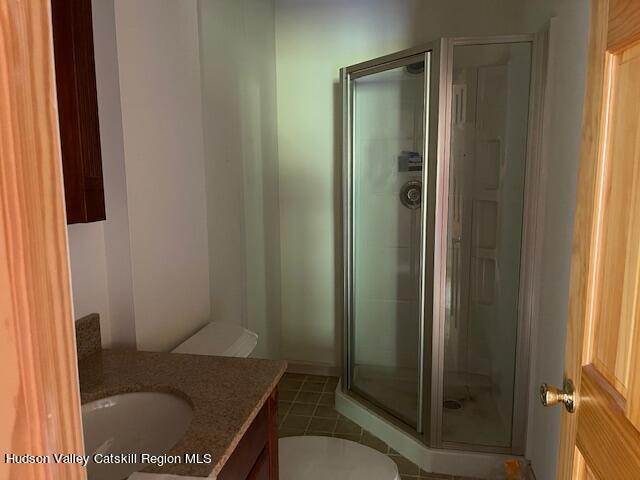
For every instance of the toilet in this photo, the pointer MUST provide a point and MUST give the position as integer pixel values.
(322, 458)
(220, 339)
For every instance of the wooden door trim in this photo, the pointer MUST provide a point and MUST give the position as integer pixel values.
(584, 229)
(39, 398)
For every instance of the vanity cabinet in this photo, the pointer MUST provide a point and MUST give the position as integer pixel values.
(78, 110)
(256, 456)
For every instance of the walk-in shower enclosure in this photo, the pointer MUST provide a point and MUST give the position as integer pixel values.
(440, 199)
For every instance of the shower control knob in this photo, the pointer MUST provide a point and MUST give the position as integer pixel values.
(550, 395)
(411, 194)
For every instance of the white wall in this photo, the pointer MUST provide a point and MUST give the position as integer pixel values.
(160, 88)
(87, 259)
(237, 54)
(100, 252)
(116, 227)
(151, 255)
(313, 40)
(566, 88)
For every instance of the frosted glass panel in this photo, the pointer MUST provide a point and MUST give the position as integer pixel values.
(388, 152)
(490, 105)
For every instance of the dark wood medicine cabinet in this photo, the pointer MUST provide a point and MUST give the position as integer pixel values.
(78, 110)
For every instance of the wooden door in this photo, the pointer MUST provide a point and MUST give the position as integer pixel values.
(39, 397)
(602, 438)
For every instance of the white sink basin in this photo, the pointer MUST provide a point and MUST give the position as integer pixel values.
(141, 422)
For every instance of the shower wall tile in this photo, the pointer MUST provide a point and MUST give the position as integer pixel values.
(387, 333)
(376, 169)
(388, 273)
(384, 130)
(384, 222)
(376, 165)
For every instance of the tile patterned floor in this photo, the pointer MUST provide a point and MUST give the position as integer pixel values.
(306, 408)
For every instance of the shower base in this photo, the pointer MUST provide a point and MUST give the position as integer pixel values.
(452, 462)
(395, 388)
(478, 420)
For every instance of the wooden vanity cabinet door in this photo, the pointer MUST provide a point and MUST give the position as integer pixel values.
(78, 110)
(260, 469)
(256, 456)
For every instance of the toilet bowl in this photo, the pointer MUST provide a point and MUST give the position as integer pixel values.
(322, 458)
(220, 339)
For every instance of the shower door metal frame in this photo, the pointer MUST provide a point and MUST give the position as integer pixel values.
(531, 243)
(430, 54)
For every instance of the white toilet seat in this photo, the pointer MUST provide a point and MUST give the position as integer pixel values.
(322, 458)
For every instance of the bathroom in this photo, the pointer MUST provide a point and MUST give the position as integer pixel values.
(223, 128)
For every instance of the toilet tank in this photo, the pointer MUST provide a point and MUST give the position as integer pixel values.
(220, 339)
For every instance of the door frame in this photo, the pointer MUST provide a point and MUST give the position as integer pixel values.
(532, 237)
(583, 229)
(40, 398)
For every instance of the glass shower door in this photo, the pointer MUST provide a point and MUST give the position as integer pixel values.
(490, 93)
(386, 179)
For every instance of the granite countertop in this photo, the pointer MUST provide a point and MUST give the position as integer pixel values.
(226, 394)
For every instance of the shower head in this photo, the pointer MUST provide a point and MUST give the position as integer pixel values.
(415, 68)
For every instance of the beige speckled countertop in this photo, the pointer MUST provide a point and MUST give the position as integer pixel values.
(226, 395)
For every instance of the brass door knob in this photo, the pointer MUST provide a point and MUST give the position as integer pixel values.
(550, 395)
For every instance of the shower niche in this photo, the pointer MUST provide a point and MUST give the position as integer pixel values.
(440, 179)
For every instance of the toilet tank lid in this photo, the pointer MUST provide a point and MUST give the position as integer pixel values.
(219, 338)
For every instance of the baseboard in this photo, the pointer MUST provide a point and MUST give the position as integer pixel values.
(309, 368)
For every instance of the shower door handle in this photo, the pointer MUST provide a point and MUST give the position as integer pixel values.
(550, 395)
